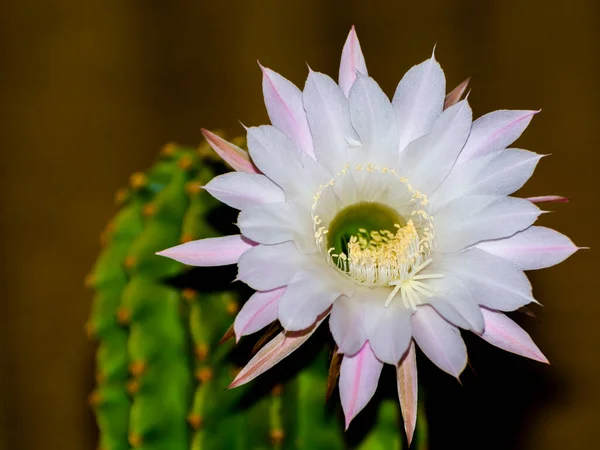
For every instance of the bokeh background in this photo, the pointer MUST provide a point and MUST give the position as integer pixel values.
(91, 89)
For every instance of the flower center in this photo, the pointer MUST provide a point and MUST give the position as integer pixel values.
(383, 237)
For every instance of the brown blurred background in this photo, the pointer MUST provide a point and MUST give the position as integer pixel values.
(91, 89)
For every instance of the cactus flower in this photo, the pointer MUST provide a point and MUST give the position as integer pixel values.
(392, 220)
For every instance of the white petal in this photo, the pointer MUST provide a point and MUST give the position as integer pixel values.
(266, 267)
(284, 105)
(373, 119)
(258, 312)
(347, 324)
(495, 131)
(236, 157)
(506, 173)
(499, 173)
(533, 248)
(276, 156)
(428, 160)
(241, 190)
(440, 341)
(388, 328)
(469, 220)
(454, 302)
(329, 120)
(273, 223)
(273, 153)
(408, 386)
(359, 376)
(219, 251)
(494, 282)
(306, 297)
(507, 335)
(419, 100)
(352, 62)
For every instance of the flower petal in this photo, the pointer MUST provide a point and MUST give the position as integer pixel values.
(548, 198)
(352, 62)
(258, 312)
(241, 190)
(277, 157)
(219, 251)
(408, 386)
(506, 173)
(359, 376)
(273, 223)
(454, 301)
(454, 97)
(284, 105)
(428, 160)
(533, 248)
(273, 352)
(494, 282)
(308, 294)
(507, 335)
(495, 131)
(267, 267)
(236, 157)
(373, 119)
(388, 328)
(440, 341)
(498, 173)
(347, 324)
(469, 220)
(419, 100)
(329, 120)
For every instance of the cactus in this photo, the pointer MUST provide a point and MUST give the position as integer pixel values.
(162, 370)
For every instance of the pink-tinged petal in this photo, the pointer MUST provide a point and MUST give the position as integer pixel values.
(507, 335)
(258, 312)
(307, 296)
(267, 267)
(534, 248)
(353, 61)
(548, 198)
(236, 157)
(273, 352)
(219, 251)
(419, 100)
(359, 376)
(440, 341)
(495, 131)
(286, 111)
(408, 386)
(241, 190)
(454, 97)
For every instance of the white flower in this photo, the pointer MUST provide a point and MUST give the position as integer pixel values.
(392, 218)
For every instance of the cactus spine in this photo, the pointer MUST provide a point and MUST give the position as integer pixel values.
(162, 373)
